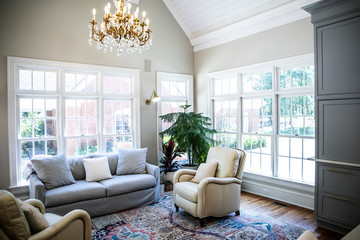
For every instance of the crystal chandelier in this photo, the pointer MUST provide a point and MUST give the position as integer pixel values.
(121, 30)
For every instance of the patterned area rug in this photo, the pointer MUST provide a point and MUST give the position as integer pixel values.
(161, 221)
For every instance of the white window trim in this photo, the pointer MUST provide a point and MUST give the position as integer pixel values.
(190, 99)
(14, 62)
(298, 193)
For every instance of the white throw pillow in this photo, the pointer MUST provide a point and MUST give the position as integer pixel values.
(96, 169)
(131, 161)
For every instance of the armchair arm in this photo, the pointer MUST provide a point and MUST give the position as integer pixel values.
(37, 203)
(183, 175)
(36, 188)
(68, 227)
(155, 171)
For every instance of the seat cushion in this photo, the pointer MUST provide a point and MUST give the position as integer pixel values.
(187, 190)
(79, 191)
(52, 218)
(128, 183)
(228, 161)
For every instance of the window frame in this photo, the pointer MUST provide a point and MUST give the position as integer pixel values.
(16, 63)
(275, 93)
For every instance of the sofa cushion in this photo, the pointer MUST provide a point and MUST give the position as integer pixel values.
(77, 167)
(112, 159)
(228, 161)
(12, 218)
(131, 161)
(96, 169)
(128, 183)
(79, 191)
(187, 190)
(53, 171)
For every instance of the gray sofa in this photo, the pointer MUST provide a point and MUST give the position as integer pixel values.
(102, 197)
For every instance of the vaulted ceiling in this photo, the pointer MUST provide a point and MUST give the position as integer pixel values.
(208, 23)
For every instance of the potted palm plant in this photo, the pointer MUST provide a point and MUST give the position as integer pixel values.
(191, 132)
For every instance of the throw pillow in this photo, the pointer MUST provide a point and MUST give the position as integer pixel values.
(37, 222)
(205, 170)
(131, 161)
(53, 171)
(12, 218)
(96, 169)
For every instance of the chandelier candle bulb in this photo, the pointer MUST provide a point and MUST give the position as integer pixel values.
(94, 13)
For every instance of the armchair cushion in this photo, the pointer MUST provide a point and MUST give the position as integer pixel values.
(12, 218)
(35, 219)
(227, 159)
(205, 170)
(187, 190)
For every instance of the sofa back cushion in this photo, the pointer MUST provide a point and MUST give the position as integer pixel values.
(12, 218)
(228, 161)
(112, 159)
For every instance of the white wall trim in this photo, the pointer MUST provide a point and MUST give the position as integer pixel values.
(283, 190)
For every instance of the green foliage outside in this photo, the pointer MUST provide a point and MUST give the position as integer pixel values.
(256, 142)
(191, 133)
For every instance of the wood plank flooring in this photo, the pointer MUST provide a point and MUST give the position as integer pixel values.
(301, 217)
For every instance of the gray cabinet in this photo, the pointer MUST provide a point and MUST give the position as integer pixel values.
(337, 96)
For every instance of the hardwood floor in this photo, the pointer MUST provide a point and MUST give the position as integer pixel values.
(285, 212)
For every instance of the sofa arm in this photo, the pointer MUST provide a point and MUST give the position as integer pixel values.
(74, 225)
(183, 175)
(37, 203)
(36, 188)
(155, 171)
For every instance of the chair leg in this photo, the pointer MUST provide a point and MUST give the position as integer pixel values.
(202, 222)
(237, 213)
(177, 208)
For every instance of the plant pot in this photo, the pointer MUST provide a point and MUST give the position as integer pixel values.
(168, 177)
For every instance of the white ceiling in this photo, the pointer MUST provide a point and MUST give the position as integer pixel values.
(208, 23)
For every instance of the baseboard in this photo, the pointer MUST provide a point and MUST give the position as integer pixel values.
(294, 193)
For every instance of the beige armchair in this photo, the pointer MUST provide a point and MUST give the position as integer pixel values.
(212, 196)
(13, 224)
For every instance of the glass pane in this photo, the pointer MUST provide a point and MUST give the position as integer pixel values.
(109, 143)
(70, 108)
(283, 167)
(51, 107)
(295, 168)
(82, 146)
(246, 140)
(266, 145)
(173, 88)
(70, 84)
(81, 108)
(285, 106)
(267, 125)
(165, 88)
(50, 81)
(309, 76)
(248, 161)
(287, 75)
(108, 109)
(256, 144)
(233, 85)
(107, 84)
(309, 148)
(298, 126)
(123, 142)
(297, 105)
(38, 108)
(225, 86)
(296, 147)
(93, 146)
(267, 107)
(309, 105)
(39, 128)
(38, 80)
(91, 108)
(70, 127)
(51, 128)
(266, 164)
(52, 147)
(310, 126)
(81, 126)
(80, 82)
(297, 77)
(227, 140)
(247, 83)
(309, 171)
(121, 85)
(71, 147)
(217, 87)
(91, 126)
(91, 83)
(267, 81)
(24, 79)
(39, 147)
(257, 82)
(255, 162)
(26, 150)
(25, 108)
(108, 126)
(232, 124)
(285, 125)
(283, 148)
(25, 128)
(182, 89)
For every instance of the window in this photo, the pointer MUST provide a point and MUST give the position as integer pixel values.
(274, 106)
(77, 109)
(174, 90)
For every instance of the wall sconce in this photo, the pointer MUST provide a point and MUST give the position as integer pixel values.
(153, 98)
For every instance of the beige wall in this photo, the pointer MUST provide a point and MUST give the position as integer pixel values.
(58, 30)
(289, 40)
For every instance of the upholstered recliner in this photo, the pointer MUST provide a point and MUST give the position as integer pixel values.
(212, 196)
(16, 224)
